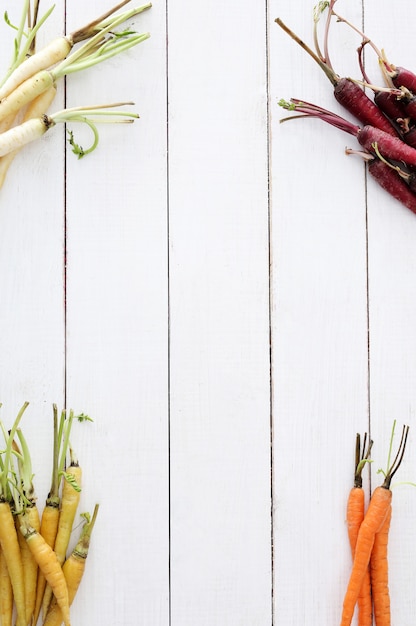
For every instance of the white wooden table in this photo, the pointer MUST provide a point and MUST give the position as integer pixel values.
(231, 300)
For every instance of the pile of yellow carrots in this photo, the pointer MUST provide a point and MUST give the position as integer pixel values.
(39, 572)
(368, 531)
(28, 87)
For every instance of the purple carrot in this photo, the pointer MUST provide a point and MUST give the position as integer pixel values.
(392, 107)
(397, 182)
(369, 137)
(401, 77)
(393, 183)
(346, 91)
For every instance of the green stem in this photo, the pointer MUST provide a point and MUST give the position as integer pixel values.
(104, 53)
(90, 116)
(20, 53)
(21, 28)
(8, 452)
(64, 442)
(25, 468)
(83, 543)
(103, 21)
(53, 498)
(28, 48)
(75, 56)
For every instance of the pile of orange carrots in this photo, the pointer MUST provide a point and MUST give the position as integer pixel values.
(40, 572)
(368, 531)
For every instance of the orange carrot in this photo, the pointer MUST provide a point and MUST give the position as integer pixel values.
(380, 574)
(377, 512)
(355, 516)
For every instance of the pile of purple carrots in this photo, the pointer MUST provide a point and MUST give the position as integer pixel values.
(39, 572)
(386, 129)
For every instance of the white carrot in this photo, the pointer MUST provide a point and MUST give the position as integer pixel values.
(34, 110)
(54, 52)
(58, 49)
(86, 56)
(33, 129)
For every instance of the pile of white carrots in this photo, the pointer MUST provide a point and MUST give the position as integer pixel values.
(368, 532)
(40, 572)
(386, 129)
(29, 85)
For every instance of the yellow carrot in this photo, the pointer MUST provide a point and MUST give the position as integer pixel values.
(51, 568)
(71, 492)
(11, 550)
(69, 505)
(9, 542)
(50, 514)
(30, 567)
(73, 570)
(6, 594)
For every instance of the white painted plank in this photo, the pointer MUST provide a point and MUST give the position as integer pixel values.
(117, 364)
(117, 331)
(219, 355)
(392, 298)
(31, 280)
(319, 327)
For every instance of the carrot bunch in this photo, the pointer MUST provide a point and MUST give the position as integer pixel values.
(39, 571)
(386, 131)
(368, 532)
(29, 85)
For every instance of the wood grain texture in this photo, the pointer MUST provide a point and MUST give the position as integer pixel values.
(231, 300)
(342, 319)
(219, 318)
(320, 332)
